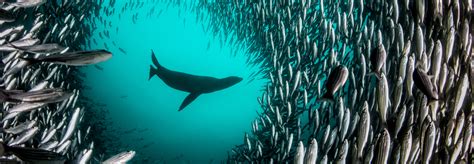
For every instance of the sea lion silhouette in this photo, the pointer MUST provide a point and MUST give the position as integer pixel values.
(195, 85)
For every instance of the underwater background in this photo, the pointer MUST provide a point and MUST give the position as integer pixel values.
(145, 112)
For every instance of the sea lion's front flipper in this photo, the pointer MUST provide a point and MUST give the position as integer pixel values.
(190, 98)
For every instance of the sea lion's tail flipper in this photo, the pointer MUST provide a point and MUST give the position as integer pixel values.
(154, 60)
(153, 71)
(190, 98)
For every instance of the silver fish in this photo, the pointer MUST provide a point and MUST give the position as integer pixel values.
(429, 142)
(122, 157)
(460, 94)
(26, 106)
(410, 71)
(464, 34)
(337, 78)
(420, 42)
(383, 147)
(443, 75)
(79, 58)
(423, 83)
(363, 69)
(311, 153)
(85, 157)
(438, 9)
(41, 96)
(456, 152)
(377, 59)
(342, 153)
(39, 86)
(398, 94)
(467, 135)
(436, 61)
(404, 60)
(364, 126)
(40, 49)
(395, 11)
(458, 128)
(449, 131)
(406, 146)
(420, 8)
(449, 44)
(71, 126)
(345, 123)
(25, 136)
(21, 127)
(383, 99)
(63, 147)
(400, 120)
(299, 157)
(24, 3)
(48, 137)
(49, 145)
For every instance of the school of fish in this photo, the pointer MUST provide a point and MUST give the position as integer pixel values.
(356, 81)
(42, 121)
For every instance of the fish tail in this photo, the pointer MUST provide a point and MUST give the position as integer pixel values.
(327, 97)
(14, 46)
(29, 60)
(374, 73)
(153, 72)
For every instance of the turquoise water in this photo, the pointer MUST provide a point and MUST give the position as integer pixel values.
(205, 130)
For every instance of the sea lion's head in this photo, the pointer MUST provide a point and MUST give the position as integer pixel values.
(231, 80)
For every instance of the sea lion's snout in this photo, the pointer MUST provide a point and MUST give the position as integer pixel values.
(234, 79)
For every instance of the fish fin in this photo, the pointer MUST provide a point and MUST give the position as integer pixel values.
(153, 71)
(154, 60)
(190, 98)
(34, 155)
